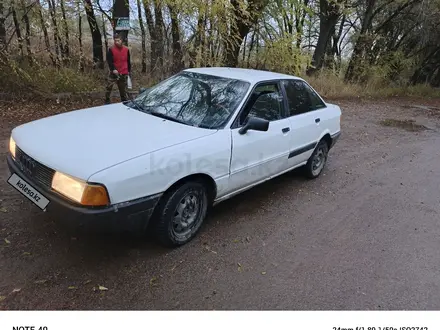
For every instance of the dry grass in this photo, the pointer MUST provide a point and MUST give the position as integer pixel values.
(333, 87)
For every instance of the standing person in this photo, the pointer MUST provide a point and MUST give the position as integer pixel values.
(119, 63)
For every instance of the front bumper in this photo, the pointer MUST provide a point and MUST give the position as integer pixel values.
(132, 216)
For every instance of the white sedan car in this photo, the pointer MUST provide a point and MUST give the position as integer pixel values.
(163, 158)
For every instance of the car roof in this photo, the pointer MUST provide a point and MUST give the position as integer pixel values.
(250, 75)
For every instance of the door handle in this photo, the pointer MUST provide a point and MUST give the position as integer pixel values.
(285, 129)
(317, 120)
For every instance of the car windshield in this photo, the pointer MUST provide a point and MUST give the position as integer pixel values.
(194, 99)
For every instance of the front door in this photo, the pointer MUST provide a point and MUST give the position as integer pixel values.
(258, 155)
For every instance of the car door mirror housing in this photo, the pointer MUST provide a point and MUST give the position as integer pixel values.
(142, 90)
(256, 124)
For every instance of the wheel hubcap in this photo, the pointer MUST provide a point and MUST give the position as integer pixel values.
(318, 161)
(186, 214)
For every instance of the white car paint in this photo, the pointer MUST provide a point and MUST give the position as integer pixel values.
(257, 155)
(136, 155)
(84, 142)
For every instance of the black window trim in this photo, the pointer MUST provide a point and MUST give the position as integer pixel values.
(287, 100)
(284, 111)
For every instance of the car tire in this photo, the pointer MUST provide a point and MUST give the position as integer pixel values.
(316, 163)
(181, 213)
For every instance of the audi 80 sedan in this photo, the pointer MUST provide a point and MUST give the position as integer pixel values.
(162, 159)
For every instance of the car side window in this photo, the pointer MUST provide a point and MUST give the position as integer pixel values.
(297, 97)
(315, 101)
(265, 102)
(301, 98)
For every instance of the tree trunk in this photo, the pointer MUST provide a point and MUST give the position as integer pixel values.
(17, 28)
(66, 48)
(152, 32)
(257, 49)
(250, 50)
(240, 27)
(45, 33)
(329, 54)
(353, 70)
(159, 42)
(155, 29)
(194, 54)
(98, 58)
(56, 35)
(104, 32)
(244, 49)
(143, 36)
(81, 52)
(336, 39)
(177, 48)
(329, 14)
(2, 27)
(300, 17)
(27, 32)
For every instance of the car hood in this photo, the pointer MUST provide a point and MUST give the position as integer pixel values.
(83, 142)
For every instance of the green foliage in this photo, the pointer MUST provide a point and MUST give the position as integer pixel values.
(281, 55)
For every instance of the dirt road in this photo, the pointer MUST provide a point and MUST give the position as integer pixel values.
(365, 235)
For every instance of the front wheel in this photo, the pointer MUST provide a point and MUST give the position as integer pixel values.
(181, 214)
(317, 161)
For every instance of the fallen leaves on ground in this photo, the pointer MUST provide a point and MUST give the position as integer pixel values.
(2, 298)
(175, 266)
(102, 288)
(7, 241)
(207, 248)
(3, 209)
(153, 281)
(263, 273)
(16, 290)
(72, 287)
(40, 281)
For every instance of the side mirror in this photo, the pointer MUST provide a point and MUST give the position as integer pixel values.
(256, 124)
(142, 89)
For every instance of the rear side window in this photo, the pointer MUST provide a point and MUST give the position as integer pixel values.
(301, 98)
(315, 100)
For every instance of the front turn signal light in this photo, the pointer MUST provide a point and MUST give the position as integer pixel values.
(95, 195)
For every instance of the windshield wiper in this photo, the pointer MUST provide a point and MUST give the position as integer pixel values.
(161, 115)
(137, 105)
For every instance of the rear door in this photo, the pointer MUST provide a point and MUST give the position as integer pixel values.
(258, 155)
(305, 109)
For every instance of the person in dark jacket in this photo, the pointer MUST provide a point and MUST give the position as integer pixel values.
(119, 63)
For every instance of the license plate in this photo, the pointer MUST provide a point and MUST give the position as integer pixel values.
(27, 190)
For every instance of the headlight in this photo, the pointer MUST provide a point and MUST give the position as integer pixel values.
(80, 191)
(12, 146)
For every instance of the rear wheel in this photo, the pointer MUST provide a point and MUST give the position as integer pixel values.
(317, 161)
(181, 214)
